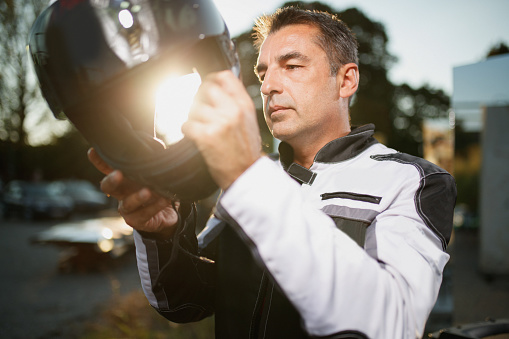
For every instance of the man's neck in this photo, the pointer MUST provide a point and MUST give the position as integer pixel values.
(304, 153)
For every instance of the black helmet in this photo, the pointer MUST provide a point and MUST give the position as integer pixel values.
(99, 63)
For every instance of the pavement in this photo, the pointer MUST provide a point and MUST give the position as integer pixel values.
(35, 299)
(467, 294)
(38, 301)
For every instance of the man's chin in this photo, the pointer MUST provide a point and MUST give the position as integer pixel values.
(280, 135)
(282, 130)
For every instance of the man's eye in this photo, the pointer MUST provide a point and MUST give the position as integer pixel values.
(292, 66)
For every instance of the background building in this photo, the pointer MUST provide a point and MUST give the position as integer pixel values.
(481, 105)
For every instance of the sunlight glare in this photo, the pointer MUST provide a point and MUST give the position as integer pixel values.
(173, 101)
(126, 18)
(105, 245)
(107, 233)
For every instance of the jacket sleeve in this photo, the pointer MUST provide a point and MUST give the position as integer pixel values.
(384, 291)
(176, 280)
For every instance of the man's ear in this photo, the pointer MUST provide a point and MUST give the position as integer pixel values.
(348, 78)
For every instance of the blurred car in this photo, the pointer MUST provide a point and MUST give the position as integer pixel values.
(35, 200)
(86, 197)
(85, 243)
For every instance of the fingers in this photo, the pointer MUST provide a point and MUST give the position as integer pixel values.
(132, 197)
(146, 211)
(223, 124)
(111, 183)
(221, 101)
(115, 184)
(137, 200)
(222, 89)
(139, 206)
(98, 162)
(142, 206)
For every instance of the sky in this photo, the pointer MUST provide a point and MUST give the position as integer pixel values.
(429, 38)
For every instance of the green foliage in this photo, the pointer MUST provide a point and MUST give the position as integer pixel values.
(410, 107)
(20, 96)
(373, 100)
(468, 191)
(499, 49)
(247, 55)
(397, 111)
(18, 89)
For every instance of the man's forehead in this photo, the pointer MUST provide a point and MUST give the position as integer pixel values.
(287, 40)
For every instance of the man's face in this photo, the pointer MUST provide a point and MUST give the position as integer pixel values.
(300, 97)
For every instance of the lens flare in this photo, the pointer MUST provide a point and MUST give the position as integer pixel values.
(126, 18)
(107, 233)
(173, 101)
(105, 245)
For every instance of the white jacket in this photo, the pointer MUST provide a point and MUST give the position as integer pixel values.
(356, 243)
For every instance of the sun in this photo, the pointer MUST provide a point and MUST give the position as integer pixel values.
(174, 98)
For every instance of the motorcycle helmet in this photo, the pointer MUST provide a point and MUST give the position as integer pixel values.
(99, 63)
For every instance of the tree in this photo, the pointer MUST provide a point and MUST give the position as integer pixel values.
(373, 101)
(22, 107)
(396, 111)
(468, 154)
(410, 108)
(247, 56)
(19, 92)
(499, 49)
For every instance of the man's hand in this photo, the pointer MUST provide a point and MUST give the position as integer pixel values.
(141, 208)
(223, 124)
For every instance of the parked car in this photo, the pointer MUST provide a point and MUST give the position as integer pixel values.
(88, 244)
(35, 200)
(86, 197)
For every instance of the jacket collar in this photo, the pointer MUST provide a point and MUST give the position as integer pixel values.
(337, 150)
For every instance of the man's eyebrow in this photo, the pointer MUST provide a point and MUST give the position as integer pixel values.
(282, 58)
(292, 55)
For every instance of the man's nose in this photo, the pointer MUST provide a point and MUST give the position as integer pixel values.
(271, 83)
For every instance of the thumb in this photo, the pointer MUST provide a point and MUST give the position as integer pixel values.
(98, 162)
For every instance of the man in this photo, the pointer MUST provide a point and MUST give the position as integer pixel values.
(350, 244)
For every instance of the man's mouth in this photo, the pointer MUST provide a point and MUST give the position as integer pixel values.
(275, 109)
(272, 108)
